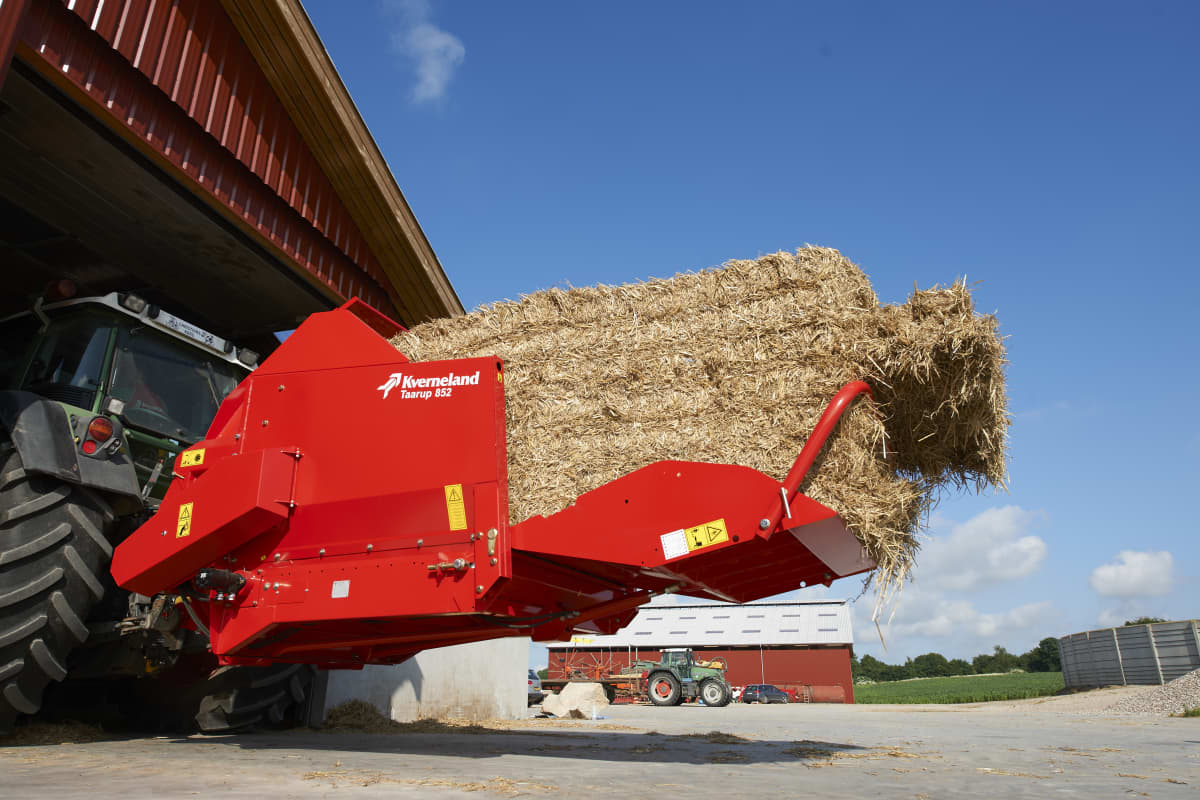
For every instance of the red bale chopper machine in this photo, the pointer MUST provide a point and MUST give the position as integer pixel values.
(350, 507)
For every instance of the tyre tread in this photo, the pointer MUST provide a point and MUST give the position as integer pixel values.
(245, 697)
(41, 543)
(35, 504)
(33, 587)
(53, 556)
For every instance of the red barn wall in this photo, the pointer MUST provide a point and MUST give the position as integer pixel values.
(785, 667)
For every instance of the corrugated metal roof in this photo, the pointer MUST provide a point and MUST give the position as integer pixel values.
(727, 624)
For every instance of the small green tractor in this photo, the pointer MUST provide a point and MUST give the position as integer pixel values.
(681, 676)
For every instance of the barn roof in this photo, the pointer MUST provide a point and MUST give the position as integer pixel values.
(821, 622)
(285, 44)
(205, 155)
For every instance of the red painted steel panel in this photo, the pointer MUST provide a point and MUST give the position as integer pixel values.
(107, 22)
(12, 15)
(129, 31)
(789, 668)
(177, 75)
(85, 9)
(184, 83)
(402, 515)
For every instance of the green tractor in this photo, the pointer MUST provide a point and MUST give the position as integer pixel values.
(97, 397)
(680, 676)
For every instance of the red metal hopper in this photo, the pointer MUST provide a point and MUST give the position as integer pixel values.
(350, 507)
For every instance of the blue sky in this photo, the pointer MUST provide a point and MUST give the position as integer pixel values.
(1047, 151)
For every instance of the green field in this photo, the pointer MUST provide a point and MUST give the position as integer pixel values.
(965, 689)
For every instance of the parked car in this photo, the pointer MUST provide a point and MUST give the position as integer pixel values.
(764, 693)
(536, 695)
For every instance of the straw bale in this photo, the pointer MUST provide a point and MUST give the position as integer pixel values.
(735, 365)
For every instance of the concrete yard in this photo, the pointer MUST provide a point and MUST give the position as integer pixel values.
(1021, 749)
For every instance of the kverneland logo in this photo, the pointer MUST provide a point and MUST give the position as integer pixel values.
(440, 386)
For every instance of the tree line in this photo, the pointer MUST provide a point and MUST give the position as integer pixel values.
(1042, 658)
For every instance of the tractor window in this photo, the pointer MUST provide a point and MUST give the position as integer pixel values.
(69, 359)
(168, 387)
(17, 334)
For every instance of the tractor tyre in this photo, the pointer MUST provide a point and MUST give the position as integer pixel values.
(238, 698)
(715, 693)
(53, 556)
(664, 690)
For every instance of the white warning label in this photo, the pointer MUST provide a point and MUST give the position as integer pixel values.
(674, 544)
(340, 589)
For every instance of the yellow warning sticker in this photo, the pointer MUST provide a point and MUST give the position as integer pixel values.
(184, 527)
(455, 509)
(191, 458)
(706, 535)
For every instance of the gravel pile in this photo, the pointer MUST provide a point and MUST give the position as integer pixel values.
(1173, 698)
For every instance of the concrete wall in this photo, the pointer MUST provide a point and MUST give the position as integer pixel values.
(483, 680)
(1134, 654)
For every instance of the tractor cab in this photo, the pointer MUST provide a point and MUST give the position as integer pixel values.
(119, 365)
(680, 659)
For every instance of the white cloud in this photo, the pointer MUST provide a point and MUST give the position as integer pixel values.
(994, 546)
(1134, 574)
(939, 624)
(817, 591)
(1019, 618)
(677, 600)
(928, 613)
(991, 547)
(932, 612)
(435, 53)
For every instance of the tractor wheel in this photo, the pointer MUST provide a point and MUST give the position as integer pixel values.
(245, 697)
(53, 554)
(664, 689)
(714, 693)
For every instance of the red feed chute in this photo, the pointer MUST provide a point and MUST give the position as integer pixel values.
(354, 508)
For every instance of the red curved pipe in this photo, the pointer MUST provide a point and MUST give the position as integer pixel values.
(812, 448)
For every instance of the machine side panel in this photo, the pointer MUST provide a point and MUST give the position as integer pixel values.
(203, 518)
(400, 507)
